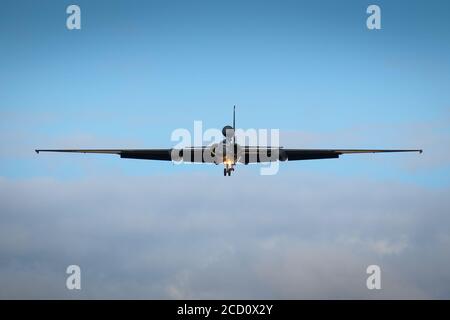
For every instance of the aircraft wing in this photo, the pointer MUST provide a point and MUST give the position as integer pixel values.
(191, 154)
(266, 154)
(251, 154)
(147, 154)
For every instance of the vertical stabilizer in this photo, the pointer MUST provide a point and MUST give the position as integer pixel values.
(234, 123)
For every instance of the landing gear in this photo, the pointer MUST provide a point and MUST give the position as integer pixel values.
(227, 172)
(228, 166)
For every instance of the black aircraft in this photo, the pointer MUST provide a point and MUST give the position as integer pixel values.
(227, 152)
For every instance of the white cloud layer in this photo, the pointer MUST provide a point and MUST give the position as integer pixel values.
(199, 236)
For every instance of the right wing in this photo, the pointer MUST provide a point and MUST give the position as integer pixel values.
(186, 154)
(147, 154)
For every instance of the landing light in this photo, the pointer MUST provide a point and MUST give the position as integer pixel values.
(228, 162)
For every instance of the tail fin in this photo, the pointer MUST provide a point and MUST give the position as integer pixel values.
(234, 118)
(234, 124)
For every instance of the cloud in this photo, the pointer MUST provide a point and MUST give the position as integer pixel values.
(388, 247)
(200, 236)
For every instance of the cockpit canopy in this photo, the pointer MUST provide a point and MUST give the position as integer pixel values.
(228, 132)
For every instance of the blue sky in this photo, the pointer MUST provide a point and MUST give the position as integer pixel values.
(137, 70)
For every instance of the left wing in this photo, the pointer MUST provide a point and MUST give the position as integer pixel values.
(266, 154)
